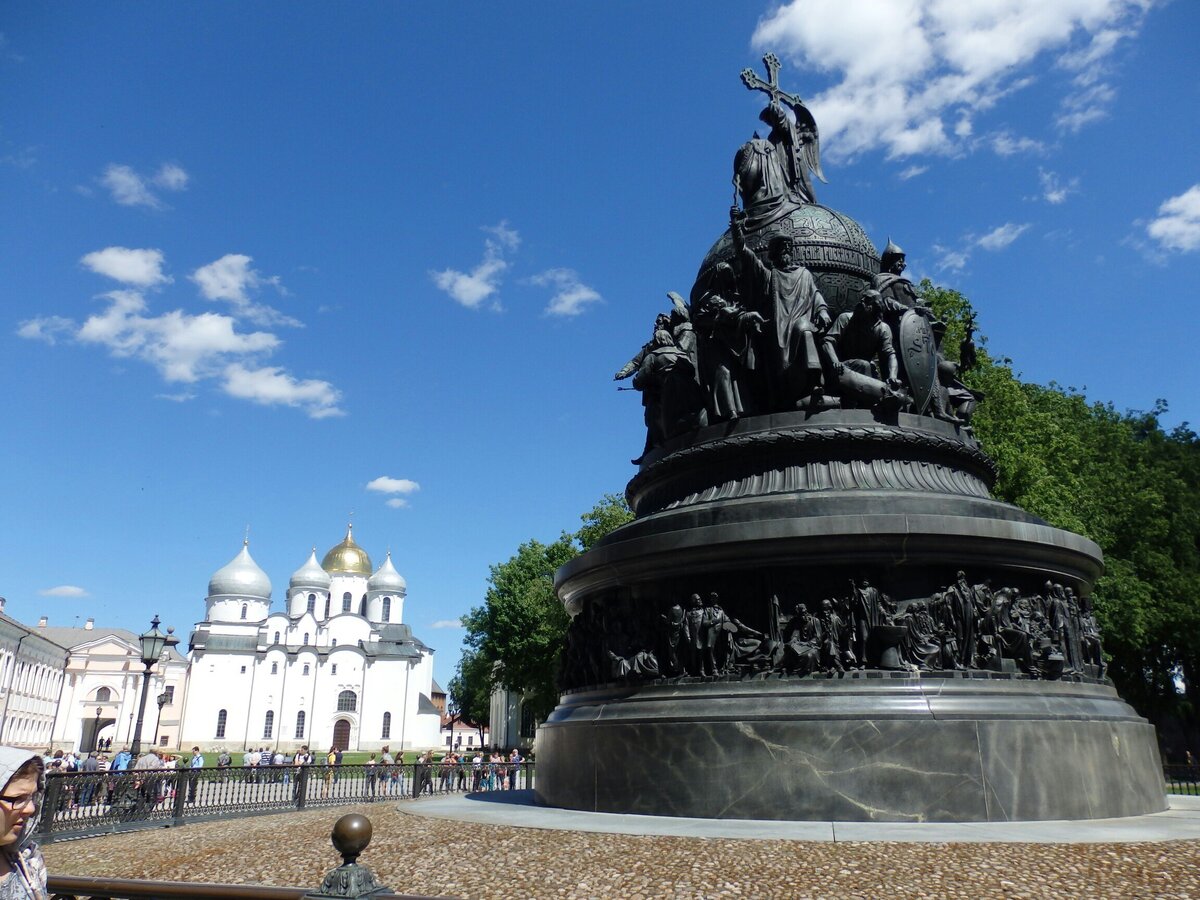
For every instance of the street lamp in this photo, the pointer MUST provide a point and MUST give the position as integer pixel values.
(96, 729)
(161, 699)
(153, 643)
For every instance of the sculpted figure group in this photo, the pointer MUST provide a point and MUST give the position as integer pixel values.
(760, 339)
(962, 626)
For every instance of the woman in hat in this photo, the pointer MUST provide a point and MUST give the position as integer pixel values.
(22, 872)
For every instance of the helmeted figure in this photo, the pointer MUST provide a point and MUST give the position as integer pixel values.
(670, 394)
(725, 337)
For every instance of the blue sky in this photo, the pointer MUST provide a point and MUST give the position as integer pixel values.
(256, 258)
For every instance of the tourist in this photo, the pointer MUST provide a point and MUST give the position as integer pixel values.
(514, 766)
(460, 767)
(337, 761)
(477, 770)
(249, 762)
(122, 760)
(196, 763)
(388, 764)
(330, 762)
(369, 768)
(22, 872)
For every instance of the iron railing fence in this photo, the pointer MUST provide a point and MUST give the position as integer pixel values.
(80, 804)
(1182, 780)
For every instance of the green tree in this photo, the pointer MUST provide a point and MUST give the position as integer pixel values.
(1121, 480)
(515, 638)
(470, 691)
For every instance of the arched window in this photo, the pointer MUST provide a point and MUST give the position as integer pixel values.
(277, 637)
(347, 701)
(312, 603)
(346, 602)
(327, 601)
(305, 672)
(306, 639)
(387, 609)
(333, 669)
(274, 668)
(387, 726)
(300, 725)
(103, 695)
(222, 715)
(334, 642)
(243, 610)
(269, 725)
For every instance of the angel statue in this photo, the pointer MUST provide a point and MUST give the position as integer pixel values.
(772, 175)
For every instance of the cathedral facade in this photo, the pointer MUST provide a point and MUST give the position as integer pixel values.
(337, 667)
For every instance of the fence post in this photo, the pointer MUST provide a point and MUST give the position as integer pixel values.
(181, 789)
(50, 808)
(301, 786)
(350, 880)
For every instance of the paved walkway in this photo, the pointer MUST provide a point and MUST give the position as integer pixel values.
(519, 809)
(431, 854)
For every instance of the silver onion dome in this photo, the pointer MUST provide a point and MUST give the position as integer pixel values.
(311, 575)
(386, 578)
(241, 577)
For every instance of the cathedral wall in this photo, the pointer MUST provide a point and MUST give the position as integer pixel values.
(228, 608)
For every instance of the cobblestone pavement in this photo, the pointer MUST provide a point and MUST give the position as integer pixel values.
(439, 857)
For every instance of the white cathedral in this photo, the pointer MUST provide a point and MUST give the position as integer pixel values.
(337, 668)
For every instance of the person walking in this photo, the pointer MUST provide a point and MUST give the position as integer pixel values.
(193, 776)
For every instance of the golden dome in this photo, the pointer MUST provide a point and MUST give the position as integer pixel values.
(347, 558)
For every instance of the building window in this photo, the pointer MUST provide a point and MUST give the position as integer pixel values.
(277, 637)
(528, 723)
(269, 725)
(169, 690)
(243, 670)
(243, 610)
(312, 603)
(163, 740)
(306, 639)
(347, 701)
(305, 672)
(346, 602)
(335, 642)
(387, 726)
(221, 717)
(274, 668)
(300, 725)
(103, 695)
(327, 601)
(333, 669)
(387, 609)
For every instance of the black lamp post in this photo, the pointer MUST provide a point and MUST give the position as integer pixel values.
(153, 643)
(161, 699)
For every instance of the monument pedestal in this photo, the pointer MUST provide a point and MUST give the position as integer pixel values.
(875, 746)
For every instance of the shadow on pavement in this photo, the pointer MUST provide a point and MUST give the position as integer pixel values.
(516, 798)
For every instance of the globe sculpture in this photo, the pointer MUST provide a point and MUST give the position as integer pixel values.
(820, 612)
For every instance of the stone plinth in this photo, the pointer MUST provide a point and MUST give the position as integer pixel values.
(876, 747)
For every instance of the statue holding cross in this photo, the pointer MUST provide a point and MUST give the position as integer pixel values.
(772, 175)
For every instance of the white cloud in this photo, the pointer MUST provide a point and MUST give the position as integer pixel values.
(397, 502)
(141, 268)
(183, 347)
(1000, 237)
(913, 172)
(129, 188)
(571, 296)
(905, 69)
(64, 590)
(1177, 226)
(1006, 144)
(46, 329)
(388, 485)
(231, 278)
(1054, 189)
(948, 258)
(955, 259)
(470, 289)
(171, 177)
(187, 348)
(272, 386)
(447, 623)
